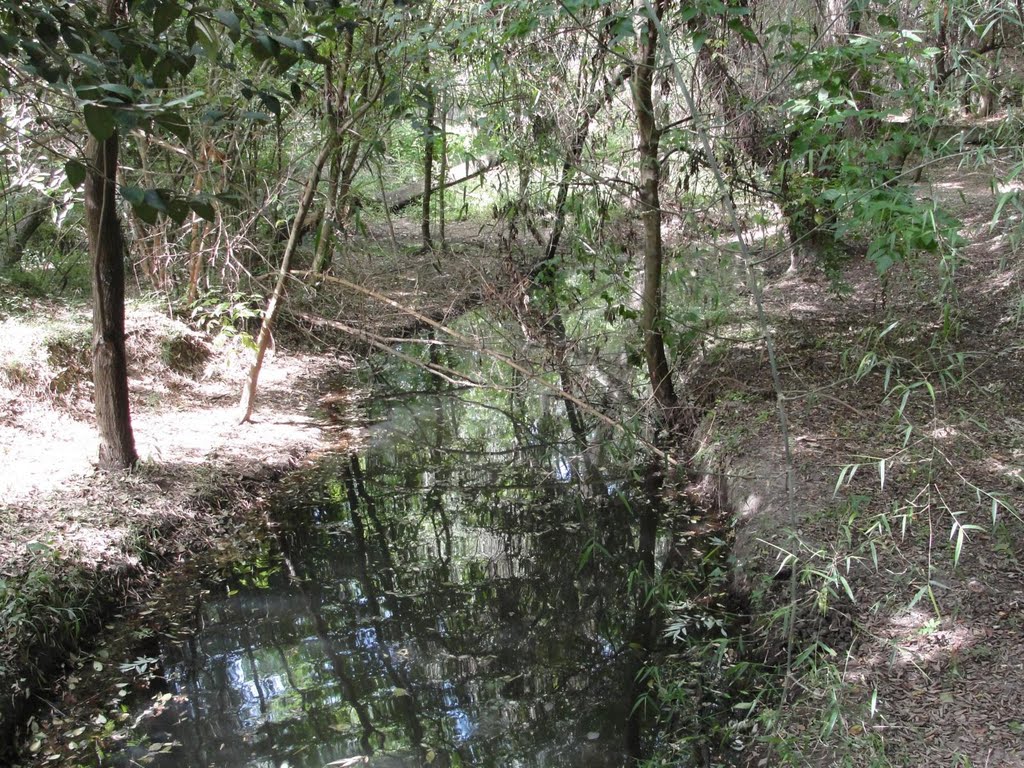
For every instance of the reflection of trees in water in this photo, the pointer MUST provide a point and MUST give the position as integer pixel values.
(433, 608)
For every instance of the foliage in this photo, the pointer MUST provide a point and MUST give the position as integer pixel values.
(228, 317)
(219, 104)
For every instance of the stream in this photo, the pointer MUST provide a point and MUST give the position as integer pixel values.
(459, 592)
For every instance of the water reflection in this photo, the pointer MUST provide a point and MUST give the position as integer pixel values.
(456, 595)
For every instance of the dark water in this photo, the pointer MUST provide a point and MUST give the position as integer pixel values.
(459, 593)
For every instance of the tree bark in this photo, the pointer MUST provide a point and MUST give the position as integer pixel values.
(248, 402)
(572, 160)
(428, 163)
(443, 172)
(22, 232)
(650, 206)
(109, 359)
(325, 246)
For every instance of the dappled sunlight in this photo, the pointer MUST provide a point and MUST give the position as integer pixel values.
(1003, 187)
(1006, 470)
(944, 432)
(916, 639)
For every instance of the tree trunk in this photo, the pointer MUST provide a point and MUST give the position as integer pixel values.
(248, 402)
(650, 206)
(22, 232)
(325, 246)
(109, 359)
(197, 257)
(573, 154)
(443, 172)
(349, 167)
(428, 162)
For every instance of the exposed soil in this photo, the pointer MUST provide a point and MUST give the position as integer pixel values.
(78, 544)
(927, 534)
(907, 574)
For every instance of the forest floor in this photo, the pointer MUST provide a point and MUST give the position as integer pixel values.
(909, 568)
(905, 517)
(78, 545)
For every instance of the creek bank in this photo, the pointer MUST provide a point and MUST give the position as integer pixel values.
(78, 546)
(70, 602)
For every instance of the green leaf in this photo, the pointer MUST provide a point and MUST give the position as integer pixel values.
(263, 47)
(164, 16)
(75, 172)
(203, 207)
(90, 62)
(139, 200)
(737, 26)
(99, 120)
(177, 210)
(205, 36)
(148, 55)
(885, 21)
(230, 20)
(162, 72)
(185, 64)
(174, 124)
(271, 102)
(120, 90)
(47, 32)
(183, 100)
(72, 40)
(111, 40)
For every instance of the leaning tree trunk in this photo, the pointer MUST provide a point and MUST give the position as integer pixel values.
(650, 205)
(22, 232)
(573, 155)
(109, 359)
(248, 402)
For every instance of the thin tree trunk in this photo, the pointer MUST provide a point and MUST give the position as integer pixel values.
(428, 161)
(109, 359)
(387, 210)
(248, 402)
(650, 205)
(325, 246)
(572, 160)
(444, 171)
(22, 232)
(197, 258)
(349, 167)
